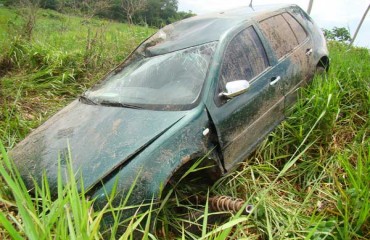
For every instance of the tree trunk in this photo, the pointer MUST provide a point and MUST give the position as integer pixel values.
(359, 26)
(129, 19)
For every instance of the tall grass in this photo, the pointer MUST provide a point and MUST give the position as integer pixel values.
(309, 179)
(69, 216)
(311, 176)
(66, 55)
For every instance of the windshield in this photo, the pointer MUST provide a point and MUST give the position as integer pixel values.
(171, 79)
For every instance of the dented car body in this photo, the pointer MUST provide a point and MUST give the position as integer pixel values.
(212, 85)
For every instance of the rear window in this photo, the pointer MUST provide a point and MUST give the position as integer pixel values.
(279, 34)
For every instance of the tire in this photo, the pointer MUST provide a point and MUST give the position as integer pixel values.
(196, 182)
(181, 194)
(320, 70)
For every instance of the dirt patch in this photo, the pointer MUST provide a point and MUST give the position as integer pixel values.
(5, 66)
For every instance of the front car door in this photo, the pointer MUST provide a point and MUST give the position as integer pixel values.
(243, 121)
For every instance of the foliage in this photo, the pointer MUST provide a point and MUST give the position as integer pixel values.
(49, 4)
(158, 13)
(57, 62)
(28, 11)
(68, 216)
(340, 34)
(131, 7)
(155, 13)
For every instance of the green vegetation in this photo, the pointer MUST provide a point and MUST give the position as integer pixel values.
(309, 179)
(156, 13)
(66, 55)
(339, 34)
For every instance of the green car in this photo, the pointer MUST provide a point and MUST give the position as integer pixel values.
(212, 85)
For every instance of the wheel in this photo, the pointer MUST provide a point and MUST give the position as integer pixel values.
(184, 195)
(320, 70)
(194, 177)
(322, 66)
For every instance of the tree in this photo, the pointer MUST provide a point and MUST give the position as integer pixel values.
(339, 34)
(159, 13)
(86, 8)
(50, 4)
(147, 12)
(91, 8)
(130, 7)
(182, 15)
(169, 10)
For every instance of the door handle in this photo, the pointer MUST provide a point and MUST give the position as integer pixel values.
(274, 80)
(309, 52)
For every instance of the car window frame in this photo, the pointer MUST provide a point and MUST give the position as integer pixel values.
(269, 42)
(268, 39)
(304, 30)
(165, 107)
(270, 61)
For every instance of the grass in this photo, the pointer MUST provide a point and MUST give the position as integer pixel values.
(69, 216)
(309, 179)
(311, 176)
(66, 55)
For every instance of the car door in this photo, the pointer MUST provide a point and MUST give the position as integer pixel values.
(241, 122)
(293, 50)
(302, 57)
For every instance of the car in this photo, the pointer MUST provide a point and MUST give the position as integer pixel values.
(213, 85)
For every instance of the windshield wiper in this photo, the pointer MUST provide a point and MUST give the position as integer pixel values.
(87, 100)
(118, 104)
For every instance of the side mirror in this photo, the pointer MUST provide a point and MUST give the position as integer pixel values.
(235, 88)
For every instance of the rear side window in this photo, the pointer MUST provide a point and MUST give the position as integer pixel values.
(245, 57)
(279, 34)
(298, 30)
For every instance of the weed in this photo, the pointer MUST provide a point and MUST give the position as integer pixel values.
(58, 66)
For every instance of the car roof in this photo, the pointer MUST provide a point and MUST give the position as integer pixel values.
(203, 29)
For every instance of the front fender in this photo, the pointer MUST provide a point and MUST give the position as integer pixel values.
(152, 168)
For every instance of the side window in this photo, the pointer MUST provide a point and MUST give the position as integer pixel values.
(298, 30)
(279, 34)
(244, 58)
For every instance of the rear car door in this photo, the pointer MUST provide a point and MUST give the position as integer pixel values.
(241, 122)
(293, 50)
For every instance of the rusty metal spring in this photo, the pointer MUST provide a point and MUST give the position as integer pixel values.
(225, 203)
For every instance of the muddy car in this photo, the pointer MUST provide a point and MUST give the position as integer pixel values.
(212, 85)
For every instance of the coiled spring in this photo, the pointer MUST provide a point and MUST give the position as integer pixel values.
(225, 203)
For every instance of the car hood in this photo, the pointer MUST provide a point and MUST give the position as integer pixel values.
(100, 140)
